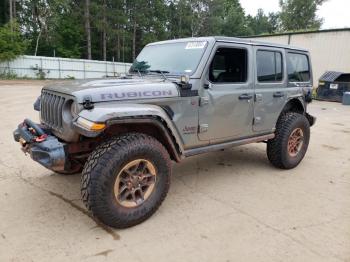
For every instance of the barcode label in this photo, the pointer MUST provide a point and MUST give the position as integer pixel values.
(195, 45)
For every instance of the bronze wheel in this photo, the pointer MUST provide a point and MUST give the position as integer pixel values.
(135, 183)
(295, 142)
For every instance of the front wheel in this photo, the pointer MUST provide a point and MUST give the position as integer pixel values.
(290, 144)
(125, 180)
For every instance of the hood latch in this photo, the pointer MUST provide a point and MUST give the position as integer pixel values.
(87, 102)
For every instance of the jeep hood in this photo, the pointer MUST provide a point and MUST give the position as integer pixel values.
(100, 90)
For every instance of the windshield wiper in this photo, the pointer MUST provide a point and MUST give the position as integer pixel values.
(162, 72)
(135, 70)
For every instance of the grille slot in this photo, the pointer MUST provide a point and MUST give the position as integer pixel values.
(51, 109)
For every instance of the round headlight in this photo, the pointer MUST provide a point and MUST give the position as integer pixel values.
(75, 109)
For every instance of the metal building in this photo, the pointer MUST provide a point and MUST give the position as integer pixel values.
(329, 49)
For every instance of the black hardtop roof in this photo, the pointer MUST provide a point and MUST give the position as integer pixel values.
(332, 76)
(232, 40)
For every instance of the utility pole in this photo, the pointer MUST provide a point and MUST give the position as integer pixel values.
(104, 33)
(14, 9)
(11, 14)
(87, 27)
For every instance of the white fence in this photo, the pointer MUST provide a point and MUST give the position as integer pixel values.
(55, 67)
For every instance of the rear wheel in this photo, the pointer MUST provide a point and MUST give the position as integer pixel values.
(290, 144)
(125, 179)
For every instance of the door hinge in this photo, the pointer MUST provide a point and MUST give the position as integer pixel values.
(258, 97)
(256, 120)
(204, 100)
(203, 128)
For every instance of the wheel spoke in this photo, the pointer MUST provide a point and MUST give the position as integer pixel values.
(142, 195)
(141, 167)
(147, 176)
(135, 183)
(122, 189)
(133, 196)
(124, 180)
(123, 197)
(128, 172)
(148, 182)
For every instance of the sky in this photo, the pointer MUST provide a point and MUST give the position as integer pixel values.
(334, 12)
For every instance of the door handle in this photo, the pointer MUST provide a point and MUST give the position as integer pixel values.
(245, 97)
(278, 94)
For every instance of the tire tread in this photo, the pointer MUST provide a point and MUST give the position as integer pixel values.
(94, 172)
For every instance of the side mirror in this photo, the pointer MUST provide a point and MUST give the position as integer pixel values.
(207, 85)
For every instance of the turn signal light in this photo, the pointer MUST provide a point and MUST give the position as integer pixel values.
(92, 126)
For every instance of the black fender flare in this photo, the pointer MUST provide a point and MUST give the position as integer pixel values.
(168, 138)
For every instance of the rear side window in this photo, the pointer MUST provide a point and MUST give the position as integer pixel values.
(269, 66)
(298, 67)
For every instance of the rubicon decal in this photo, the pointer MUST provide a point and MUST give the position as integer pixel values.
(137, 95)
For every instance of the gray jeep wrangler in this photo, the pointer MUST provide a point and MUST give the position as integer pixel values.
(181, 98)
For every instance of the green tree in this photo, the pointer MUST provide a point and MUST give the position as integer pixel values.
(262, 23)
(212, 20)
(274, 20)
(118, 29)
(235, 23)
(11, 42)
(300, 14)
(67, 38)
(180, 14)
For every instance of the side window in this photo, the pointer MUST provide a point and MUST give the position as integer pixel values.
(298, 67)
(269, 66)
(229, 65)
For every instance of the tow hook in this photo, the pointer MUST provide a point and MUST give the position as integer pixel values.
(41, 138)
(29, 132)
(42, 147)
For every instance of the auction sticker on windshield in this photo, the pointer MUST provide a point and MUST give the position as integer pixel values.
(195, 45)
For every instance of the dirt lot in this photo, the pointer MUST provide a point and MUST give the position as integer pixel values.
(226, 206)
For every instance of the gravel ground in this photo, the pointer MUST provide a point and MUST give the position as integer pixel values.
(230, 205)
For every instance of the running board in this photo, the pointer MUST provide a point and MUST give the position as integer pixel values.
(216, 147)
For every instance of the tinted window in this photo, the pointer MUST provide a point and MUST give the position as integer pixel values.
(229, 65)
(298, 68)
(269, 66)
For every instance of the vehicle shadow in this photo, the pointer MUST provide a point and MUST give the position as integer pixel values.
(226, 165)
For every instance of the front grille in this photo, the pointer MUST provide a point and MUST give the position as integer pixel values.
(51, 109)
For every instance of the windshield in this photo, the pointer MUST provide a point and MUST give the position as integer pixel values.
(172, 58)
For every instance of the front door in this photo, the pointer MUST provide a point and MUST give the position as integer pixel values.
(227, 97)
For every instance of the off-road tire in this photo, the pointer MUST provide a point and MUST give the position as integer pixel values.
(277, 148)
(102, 168)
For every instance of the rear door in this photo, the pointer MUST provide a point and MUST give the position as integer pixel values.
(270, 87)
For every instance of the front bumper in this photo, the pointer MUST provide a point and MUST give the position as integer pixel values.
(43, 147)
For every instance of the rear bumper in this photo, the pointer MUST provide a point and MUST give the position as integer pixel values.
(42, 147)
(311, 119)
